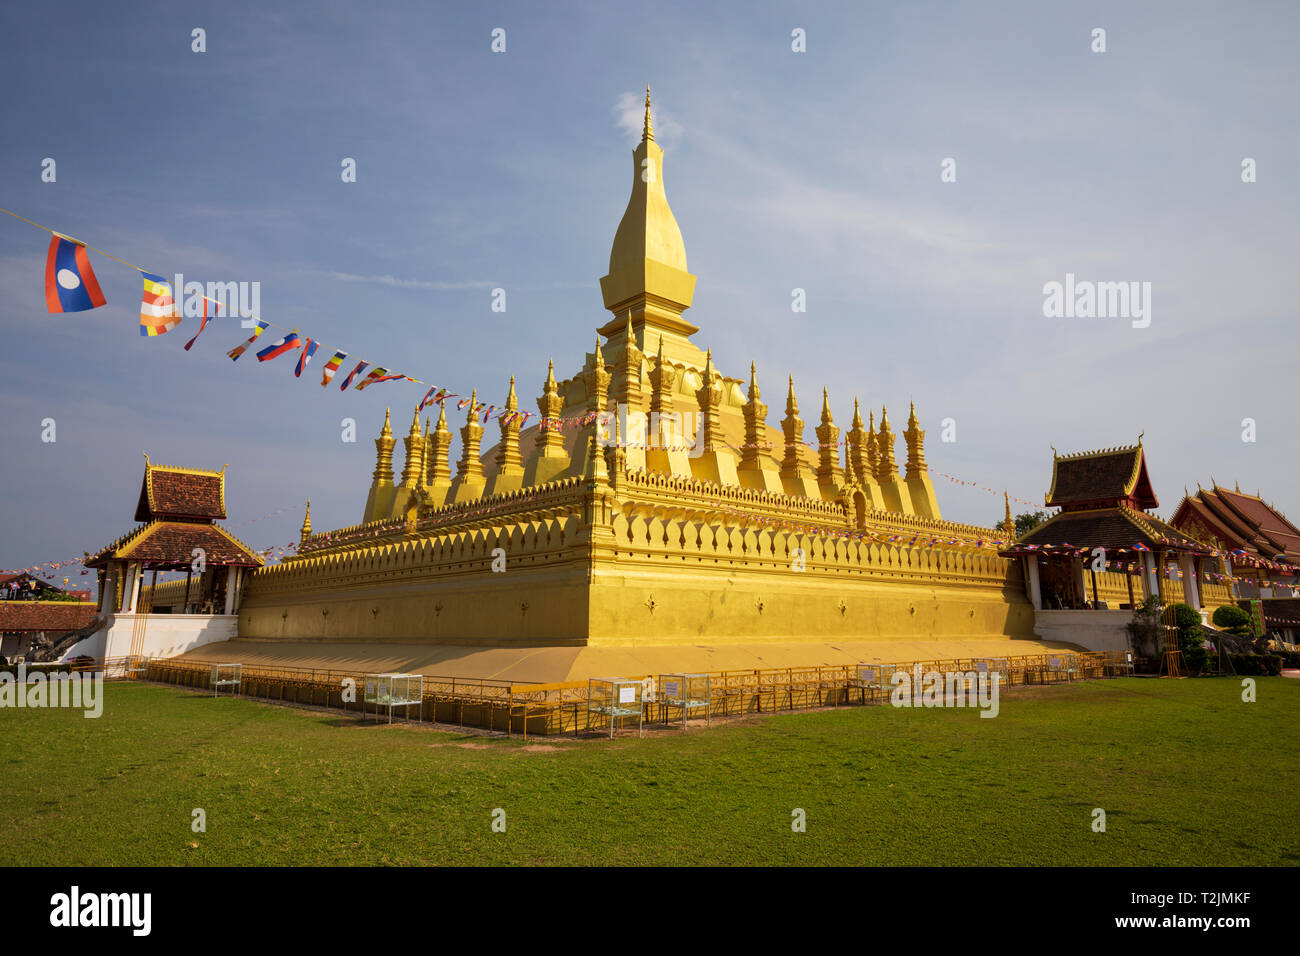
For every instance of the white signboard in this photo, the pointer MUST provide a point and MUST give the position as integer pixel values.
(627, 695)
(672, 689)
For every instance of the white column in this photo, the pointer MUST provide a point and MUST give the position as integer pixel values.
(1035, 586)
(1152, 582)
(136, 572)
(1191, 590)
(230, 589)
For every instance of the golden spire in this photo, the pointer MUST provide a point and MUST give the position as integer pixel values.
(915, 438)
(648, 130)
(599, 359)
(828, 440)
(509, 460)
(550, 405)
(413, 467)
(469, 465)
(648, 279)
(512, 400)
(755, 412)
(792, 427)
(709, 397)
(384, 451)
(1009, 523)
(305, 531)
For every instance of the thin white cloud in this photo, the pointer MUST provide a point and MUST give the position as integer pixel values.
(629, 116)
(398, 283)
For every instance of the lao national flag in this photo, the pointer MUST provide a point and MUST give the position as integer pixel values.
(286, 344)
(308, 351)
(70, 283)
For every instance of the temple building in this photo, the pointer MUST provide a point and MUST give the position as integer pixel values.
(649, 502)
(1102, 554)
(1261, 547)
(177, 509)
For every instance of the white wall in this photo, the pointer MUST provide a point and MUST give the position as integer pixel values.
(165, 635)
(1091, 630)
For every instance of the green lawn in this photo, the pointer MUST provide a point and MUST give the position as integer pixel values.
(1186, 773)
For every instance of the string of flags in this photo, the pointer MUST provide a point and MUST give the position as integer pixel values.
(72, 286)
(975, 484)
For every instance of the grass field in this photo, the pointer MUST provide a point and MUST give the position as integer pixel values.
(1186, 772)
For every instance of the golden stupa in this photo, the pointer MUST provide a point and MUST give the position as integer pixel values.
(654, 508)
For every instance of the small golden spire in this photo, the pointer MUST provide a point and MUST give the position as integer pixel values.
(826, 408)
(415, 424)
(647, 131)
(473, 401)
(857, 415)
(512, 400)
(305, 531)
(442, 416)
(791, 404)
(599, 360)
(550, 375)
(754, 393)
(386, 430)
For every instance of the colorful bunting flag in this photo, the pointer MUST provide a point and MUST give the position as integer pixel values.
(331, 367)
(158, 313)
(241, 349)
(376, 376)
(70, 283)
(308, 350)
(286, 344)
(351, 375)
(204, 323)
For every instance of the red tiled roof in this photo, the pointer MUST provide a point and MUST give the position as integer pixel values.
(1241, 521)
(51, 616)
(171, 543)
(168, 492)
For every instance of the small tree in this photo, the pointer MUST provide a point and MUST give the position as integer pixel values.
(1234, 620)
(1191, 637)
(1146, 627)
(1028, 521)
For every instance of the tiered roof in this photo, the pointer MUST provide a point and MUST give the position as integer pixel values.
(178, 507)
(1240, 522)
(1103, 496)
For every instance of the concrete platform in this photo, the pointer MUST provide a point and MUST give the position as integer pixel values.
(555, 664)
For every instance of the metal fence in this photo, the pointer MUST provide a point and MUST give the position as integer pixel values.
(565, 708)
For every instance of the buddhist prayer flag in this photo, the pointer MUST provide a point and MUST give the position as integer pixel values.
(241, 349)
(376, 376)
(204, 323)
(308, 351)
(331, 367)
(286, 344)
(157, 310)
(70, 283)
(351, 375)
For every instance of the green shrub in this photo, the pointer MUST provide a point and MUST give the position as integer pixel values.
(1196, 657)
(56, 668)
(1233, 619)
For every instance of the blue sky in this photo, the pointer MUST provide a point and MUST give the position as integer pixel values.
(817, 170)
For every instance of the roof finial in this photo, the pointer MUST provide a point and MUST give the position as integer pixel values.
(647, 131)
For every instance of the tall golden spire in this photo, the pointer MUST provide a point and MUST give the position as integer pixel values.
(550, 405)
(855, 466)
(755, 412)
(384, 451)
(709, 396)
(597, 381)
(648, 130)
(1009, 523)
(305, 531)
(648, 281)
(828, 442)
(872, 446)
(437, 467)
(792, 426)
(915, 438)
(469, 466)
(508, 458)
(413, 467)
(886, 469)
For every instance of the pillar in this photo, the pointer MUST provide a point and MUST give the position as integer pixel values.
(1191, 587)
(1035, 586)
(1152, 583)
(135, 575)
(230, 590)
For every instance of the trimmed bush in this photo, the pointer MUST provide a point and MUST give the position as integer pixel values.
(1233, 619)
